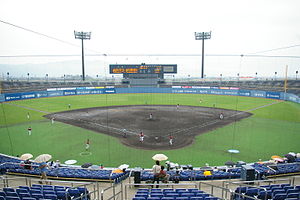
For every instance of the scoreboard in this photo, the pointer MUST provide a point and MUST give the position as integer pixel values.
(142, 69)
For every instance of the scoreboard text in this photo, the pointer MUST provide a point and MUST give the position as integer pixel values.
(142, 69)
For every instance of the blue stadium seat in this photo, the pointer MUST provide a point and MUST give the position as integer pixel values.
(12, 198)
(293, 195)
(74, 193)
(168, 190)
(28, 198)
(50, 196)
(138, 198)
(12, 194)
(279, 197)
(48, 192)
(63, 195)
(252, 192)
(197, 198)
(262, 194)
(153, 198)
(292, 191)
(37, 196)
(2, 197)
(24, 195)
(24, 187)
(182, 198)
(211, 198)
(172, 195)
(168, 198)
(144, 195)
(8, 189)
(187, 194)
(2, 194)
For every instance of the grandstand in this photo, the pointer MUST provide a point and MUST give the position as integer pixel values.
(293, 86)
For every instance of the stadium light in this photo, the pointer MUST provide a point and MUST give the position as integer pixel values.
(296, 74)
(202, 36)
(46, 77)
(7, 76)
(275, 75)
(82, 36)
(27, 77)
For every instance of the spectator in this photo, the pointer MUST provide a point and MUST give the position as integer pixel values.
(27, 164)
(163, 175)
(156, 170)
(44, 167)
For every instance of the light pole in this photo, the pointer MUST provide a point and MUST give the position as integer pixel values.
(83, 36)
(64, 78)
(221, 77)
(256, 75)
(27, 77)
(296, 74)
(202, 36)
(275, 75)
(7, 76)
(46, 77)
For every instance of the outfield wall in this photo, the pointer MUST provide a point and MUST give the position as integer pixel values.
(55, 92)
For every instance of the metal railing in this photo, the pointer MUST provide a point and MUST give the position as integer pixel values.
(114, 192)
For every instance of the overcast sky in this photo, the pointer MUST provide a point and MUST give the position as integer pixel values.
(156, 27)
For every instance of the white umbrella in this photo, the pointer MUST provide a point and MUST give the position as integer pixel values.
(123, 166)
(26, 156)
(160, 157)
(43, 158)
(292, 153)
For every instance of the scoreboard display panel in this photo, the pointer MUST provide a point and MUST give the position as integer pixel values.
(142, 69)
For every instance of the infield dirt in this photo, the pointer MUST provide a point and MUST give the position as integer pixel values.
(126, 122)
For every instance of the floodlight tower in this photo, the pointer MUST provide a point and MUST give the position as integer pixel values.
(83, 36)
(202, 36)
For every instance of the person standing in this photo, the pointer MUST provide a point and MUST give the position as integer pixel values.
(87, 144)
(124, 132)
(28, 115)
(29, 130)
(177, 107)
(150, 116)
(171, 140)
(52, 120)
(156, 170)
(43, 167)
(142, 137)
(221, 116)
(69, 106)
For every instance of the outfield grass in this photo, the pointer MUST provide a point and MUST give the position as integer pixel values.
(273, 129)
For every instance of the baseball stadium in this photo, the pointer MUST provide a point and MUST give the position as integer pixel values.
(148, 126)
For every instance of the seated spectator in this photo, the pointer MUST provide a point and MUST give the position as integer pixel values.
(27, 164)
(176, 177)
(163, 175)
(56, 164)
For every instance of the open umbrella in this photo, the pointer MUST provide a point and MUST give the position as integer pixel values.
(230, 163)
(290, 158)
(86, 165)
(26, 156)
(43, 158)
(278, 159)
(123, 166)
(160, 157)
(275, 156)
